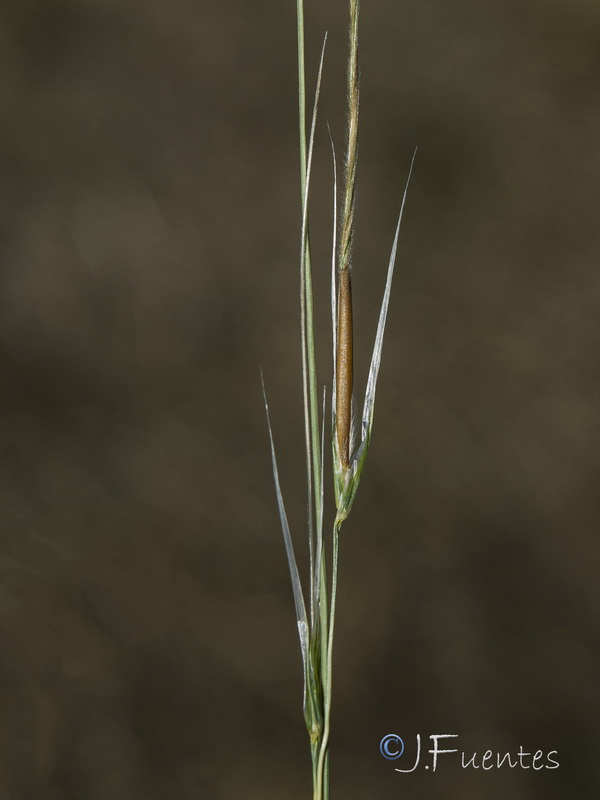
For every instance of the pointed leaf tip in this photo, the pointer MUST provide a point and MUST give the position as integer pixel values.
(301, 616)
(368, 408)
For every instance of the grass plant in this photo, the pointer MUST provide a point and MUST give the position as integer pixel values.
(350, 437)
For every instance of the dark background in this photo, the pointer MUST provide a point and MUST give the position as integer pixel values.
(149, 267)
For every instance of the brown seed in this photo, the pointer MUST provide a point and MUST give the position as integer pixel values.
(343, 406)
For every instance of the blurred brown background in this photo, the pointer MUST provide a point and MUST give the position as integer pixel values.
(149, 241)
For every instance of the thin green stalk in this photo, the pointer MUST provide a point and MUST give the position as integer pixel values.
(306, 294)
(314, 447)
(301, 95)
(314, 465)
(305, 259)
(322, 785)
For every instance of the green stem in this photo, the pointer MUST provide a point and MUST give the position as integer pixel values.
(322, 771)
(303, 327)
(314, 464)
(301, 94)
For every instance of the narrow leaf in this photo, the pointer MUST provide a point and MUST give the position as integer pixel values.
(289, 547)
(334, 271)
(309, 372)
(316, 577)
(367, 417)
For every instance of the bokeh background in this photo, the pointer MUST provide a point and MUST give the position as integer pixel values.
(149, 257)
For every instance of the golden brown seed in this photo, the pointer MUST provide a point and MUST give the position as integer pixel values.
(343, 406)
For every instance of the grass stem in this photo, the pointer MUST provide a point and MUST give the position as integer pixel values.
(317, 631)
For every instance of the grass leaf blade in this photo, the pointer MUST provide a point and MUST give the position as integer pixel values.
(309, 373)
(334, 309)
(367, 418)
(289, 547)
